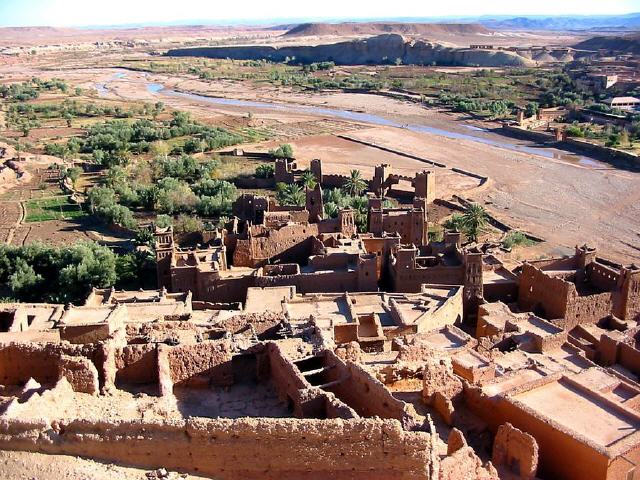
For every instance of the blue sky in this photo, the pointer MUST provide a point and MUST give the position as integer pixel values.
(114, 12)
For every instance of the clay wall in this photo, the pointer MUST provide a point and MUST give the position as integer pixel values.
(555, 444)
(287, 379)
(363, 392)
(587, 309)
(381, 247)
(318, 282)
(21, 361)
(542, 294)
(210, 288)
(136, 364)
(631, 291)
(516, 450)
(333, 181)
(500, 292)
(629, 358)
(184, 279)
(410, 280)
(243, 449)
(291, 243)
(448, 314)
(602, 277)
(207, 363)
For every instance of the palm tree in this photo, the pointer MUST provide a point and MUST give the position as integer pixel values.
(331, 210)
(360, 204)
(308, 180)
(474, 220)
(334, 195)
(295, 195)
(355, 184)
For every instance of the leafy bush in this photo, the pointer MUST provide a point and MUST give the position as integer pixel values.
(265, 170)
(283, 151)
(515, 239)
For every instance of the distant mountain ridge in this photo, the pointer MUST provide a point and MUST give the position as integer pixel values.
(564, 22)
(378, 28)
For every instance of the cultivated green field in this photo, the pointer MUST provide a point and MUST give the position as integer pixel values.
(56, 208)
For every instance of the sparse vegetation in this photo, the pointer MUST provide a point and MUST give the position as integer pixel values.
(471, 223)
(516, 239)
(283, 151)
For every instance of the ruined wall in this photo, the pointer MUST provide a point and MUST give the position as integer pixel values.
(516, 450)
(243, 449)
(291, 243)
(136, 364)
(542, 294)
(333, 181)
(364, 393)
(602, 277)
(629, 357)
(43, 362)
(587, 309)
(228, 289)
(318, 282)
(206, 363)
(286, 378)
(448, 314)
(81, 374)
(631, 291)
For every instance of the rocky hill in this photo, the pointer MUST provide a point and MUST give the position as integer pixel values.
(379, 50)
(626, 44)
(350, 29)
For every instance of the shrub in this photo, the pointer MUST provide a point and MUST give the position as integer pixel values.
(515, 239)
(283, 151)
(265, 170)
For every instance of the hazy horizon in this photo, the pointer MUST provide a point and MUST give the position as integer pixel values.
(78, 13)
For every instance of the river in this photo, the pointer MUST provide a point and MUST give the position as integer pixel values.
(474, 134)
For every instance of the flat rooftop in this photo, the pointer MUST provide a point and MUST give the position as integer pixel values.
(580, 411)
(266, 299)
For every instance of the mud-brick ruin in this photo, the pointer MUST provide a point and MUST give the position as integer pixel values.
(286, 345)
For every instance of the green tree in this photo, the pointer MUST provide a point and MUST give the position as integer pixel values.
(531, 109)
(308, 180)
(164, 221)
(283, 151)
(474, 220)
(355, 184)
(73, 174)
(291, 195)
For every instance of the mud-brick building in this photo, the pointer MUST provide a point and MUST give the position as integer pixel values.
(580, 289)
(446, 263)
(409, 223)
